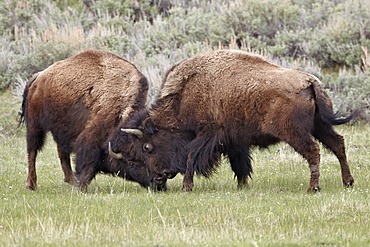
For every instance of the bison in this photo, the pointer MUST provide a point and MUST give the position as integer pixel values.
(80, 100)
(224, 103)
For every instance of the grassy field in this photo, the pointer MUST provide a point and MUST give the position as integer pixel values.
(273, 211)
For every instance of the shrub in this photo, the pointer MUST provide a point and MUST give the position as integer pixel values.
(161, 33)
(351, 91)
(18, 14)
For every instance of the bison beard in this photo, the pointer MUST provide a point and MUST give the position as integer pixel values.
(80, 100)
(226, 102)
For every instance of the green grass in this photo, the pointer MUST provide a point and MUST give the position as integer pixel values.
(273, 211)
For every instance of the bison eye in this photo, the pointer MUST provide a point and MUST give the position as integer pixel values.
(147, 147)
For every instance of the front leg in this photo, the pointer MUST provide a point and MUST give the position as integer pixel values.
(85, 176)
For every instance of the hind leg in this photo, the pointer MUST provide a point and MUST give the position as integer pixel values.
(240, 162)
(65, 162)
(35, 142)
(31, 183)
(310, 150)
(300, 139)
(335, 143)
(188, 180)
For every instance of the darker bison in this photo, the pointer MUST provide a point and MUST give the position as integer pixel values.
(80, 100)
(224, 103)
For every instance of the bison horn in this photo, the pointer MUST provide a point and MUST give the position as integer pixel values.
(136, 132)
(117, 156)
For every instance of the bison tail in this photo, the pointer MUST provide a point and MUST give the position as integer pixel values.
(23, 112)
(337, 119)
(325, 108)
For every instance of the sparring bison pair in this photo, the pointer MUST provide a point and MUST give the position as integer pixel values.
(224, 103)
(81, 100)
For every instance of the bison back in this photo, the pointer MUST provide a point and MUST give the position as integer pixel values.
(229, 88)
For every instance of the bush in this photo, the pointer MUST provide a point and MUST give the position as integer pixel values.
(18, 14)
(351, 91)
(325, 33)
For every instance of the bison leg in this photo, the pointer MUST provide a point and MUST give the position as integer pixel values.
(85, 177)
(32, 177)
(335, 143)
(188, 181)
(35, 142)
(310, 150)
(294, 126)
(65, 161)
(240, 162)
(203, 157)
(87, 163)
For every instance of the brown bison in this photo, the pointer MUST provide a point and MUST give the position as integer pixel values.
(225, 102)
(80, 100)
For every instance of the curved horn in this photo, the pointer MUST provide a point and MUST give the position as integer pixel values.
(136, 132)
(117, 156)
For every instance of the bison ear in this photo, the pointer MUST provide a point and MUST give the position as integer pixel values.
(148, 126)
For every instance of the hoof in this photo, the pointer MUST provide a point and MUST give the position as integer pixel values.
(187, 188)
(349, 182)
(243, 186)
(31, 185)
(82, 188)
(313, 189)
(349, 185)
(30, 188)
(71, 181)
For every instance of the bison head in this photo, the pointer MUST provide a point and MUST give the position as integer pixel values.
(161, 151)
(135, 171)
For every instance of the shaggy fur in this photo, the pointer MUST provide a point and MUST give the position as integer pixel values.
(226, 102)
(80, 100)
